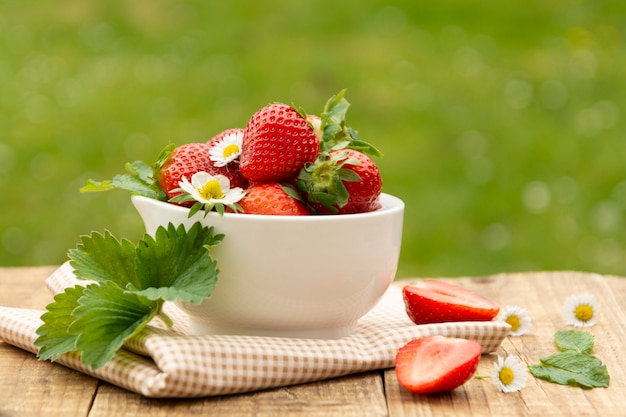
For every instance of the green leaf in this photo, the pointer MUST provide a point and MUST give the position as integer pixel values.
(131, 285)
(176, 264)
(336, 133)
(141, 170)
(104, 258)
(136, 186)
(105, 318)
(126, 182)
(574, 340)
(572, 368)
(54, 338)
(140, 179)
(95, 186)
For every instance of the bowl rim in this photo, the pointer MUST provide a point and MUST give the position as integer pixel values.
(390, 204)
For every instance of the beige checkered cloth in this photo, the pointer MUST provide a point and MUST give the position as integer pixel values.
(170, 363)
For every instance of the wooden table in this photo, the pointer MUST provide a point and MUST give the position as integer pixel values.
(29, 387)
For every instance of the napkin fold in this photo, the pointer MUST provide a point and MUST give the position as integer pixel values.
(170, 363)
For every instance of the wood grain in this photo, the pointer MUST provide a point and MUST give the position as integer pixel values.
(356, 395)
(29, 387)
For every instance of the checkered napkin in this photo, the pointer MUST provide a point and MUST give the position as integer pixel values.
(162, 362)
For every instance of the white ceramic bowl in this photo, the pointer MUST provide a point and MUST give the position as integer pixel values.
(291, 276)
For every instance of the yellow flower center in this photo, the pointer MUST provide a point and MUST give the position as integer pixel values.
(583, 312)
(514, 322)
(506, 375)
(230, 150)
(211, 189)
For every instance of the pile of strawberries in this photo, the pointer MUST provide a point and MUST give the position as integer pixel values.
(290, 163)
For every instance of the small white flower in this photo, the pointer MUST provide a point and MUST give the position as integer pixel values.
(226, 150)
(509, 374)
(581, 310)
(517, 317)
(211, 189)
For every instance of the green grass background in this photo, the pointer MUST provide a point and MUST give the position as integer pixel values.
(502, 122)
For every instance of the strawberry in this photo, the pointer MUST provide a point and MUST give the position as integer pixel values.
(436, 363)
(231, 168)
(342, 181)
(184, 160)
(277, 142)
(271, 198)
(432, 301)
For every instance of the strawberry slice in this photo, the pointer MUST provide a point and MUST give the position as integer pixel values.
(432, 301)
(436, 363)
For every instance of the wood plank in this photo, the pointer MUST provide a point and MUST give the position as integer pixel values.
(354, 395)
(25, 287)
(542, 294)
(29, 387)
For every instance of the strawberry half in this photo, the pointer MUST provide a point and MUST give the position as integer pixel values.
(277, 142)
(433, 301)
(341, 182)
(436, 364)
(271, 198)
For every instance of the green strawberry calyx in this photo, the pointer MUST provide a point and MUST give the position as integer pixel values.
(336, 134)
(323, 180)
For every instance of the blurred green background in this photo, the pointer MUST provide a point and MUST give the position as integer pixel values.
(502, 123)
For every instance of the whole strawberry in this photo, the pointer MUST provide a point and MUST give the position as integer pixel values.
(342, 182)
(184, 160)
(277, 142)
(271, 198)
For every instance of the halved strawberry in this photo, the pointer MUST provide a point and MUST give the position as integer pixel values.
(434, 301)
(436, 363)
(277, 142)
(270, 198)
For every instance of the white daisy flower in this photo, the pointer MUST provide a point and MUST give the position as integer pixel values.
(581, 310)
(509, 374)
(226, 150)
(211, 190)
(517, 317)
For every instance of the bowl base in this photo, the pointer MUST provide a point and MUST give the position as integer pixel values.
(203, 328)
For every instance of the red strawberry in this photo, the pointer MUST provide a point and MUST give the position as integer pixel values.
(432, 301)
(230, 169)
(436, 363)
(342, 181)
(184, 160)
(270, 198)
(278, 141)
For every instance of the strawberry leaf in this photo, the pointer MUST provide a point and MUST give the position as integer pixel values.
(105, 318)
(168, 266)
(140, 179)
(101, 257)
(131, 285)
(54, 336)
